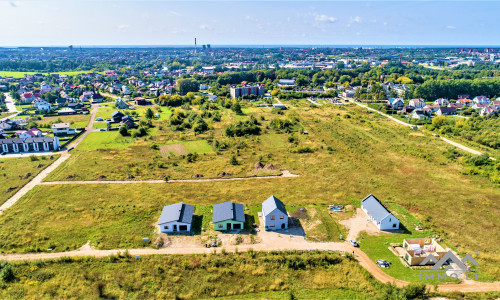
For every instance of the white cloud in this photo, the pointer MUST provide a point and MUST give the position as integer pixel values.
(12, 4)
(250, 18)
(451, 27)
(385, 23)
(177, 14)
(122, 27)
(356, 19)
(205, 27)
(324, 18)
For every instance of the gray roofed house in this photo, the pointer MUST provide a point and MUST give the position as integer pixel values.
(378, 214)
(228, 215)
(176, 217)
(274, 214)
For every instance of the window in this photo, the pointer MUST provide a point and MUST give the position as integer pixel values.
(390, 219)
(272, 217)
(220, 225)
(165, 227)
(272, 225)
(394, 225)
(282, 217)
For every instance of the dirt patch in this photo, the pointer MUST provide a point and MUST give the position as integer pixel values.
(224, 174)
(417, 134)
(270, 167)
(358, 223)
(258, 165)
(300, 214)
(178, 149)
(349, 208)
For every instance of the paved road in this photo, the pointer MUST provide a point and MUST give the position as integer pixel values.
(9, 102)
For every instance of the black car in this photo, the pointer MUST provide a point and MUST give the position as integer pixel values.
(383, 263)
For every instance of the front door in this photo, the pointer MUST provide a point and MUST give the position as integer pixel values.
(175, 227)
(282, 225)
(228, 226)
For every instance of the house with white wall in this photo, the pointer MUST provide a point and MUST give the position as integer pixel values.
(274, 214)
(378, 214)
(176, 217)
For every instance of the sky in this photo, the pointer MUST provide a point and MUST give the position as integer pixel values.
(167, 22)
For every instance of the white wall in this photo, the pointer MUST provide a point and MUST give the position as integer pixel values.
(171, 227)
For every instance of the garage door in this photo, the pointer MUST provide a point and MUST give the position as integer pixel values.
(183, 227)
(236, 226)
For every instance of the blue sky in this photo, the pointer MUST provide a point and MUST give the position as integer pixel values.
(162, 22)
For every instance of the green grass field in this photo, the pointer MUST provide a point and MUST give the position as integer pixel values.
(105, 140)
(16, 172)
(246, 275)
(76, 121)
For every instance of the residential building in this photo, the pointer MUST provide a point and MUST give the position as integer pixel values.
(481, 99)
(32, 144)
(396, 103)
(176, 217)
(479, 105)
(446, 111)
(274, 214)
(66, 111)
(442, 102)
(42, 105)
(488, 110)
(378, 214)
(62, 129)
(97, 98)
(417, 103)
(33, 132)
(258, 90)
(228, 215)
(420, 114)
(416, 251)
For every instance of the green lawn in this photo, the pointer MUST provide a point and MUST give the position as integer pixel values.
(105, 140)
(16, 172)
(76, 121)
(199, 147)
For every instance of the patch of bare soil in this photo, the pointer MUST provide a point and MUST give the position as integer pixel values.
(178, 149)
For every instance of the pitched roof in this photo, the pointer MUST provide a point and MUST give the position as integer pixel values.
(375, 208)
(228, 211)
(178, 212)
(60, 125)
(271, 204)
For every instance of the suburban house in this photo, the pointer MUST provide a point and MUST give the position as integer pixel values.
(465, 101)
(280, 106)
(417, 250)
(378, 214)
(481, 99)
(66, 111)
(62, 129)
(176, 217)
(121, 104)
(480, 105)
(141, 101)
(27, 97)
(33, 132)
(417, 103)
(457, 105)
(274, 214)
(407, 109)
(420, 114)
(488, 110)
(41, 104)
(495, 103)
(446, 111)
(433, 107)
(117, 116)
(396, 103)
(442, 102)
(35, 144)
(228, 215)
(97, 98)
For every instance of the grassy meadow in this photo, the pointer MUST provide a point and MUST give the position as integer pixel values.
(354, 153)
(16, 172)
(243, 274)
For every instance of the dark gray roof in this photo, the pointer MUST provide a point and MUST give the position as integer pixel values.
(271, 204)
(117, 113)
(375, 208)
(228, 211)
(28, 140)
(178, 212)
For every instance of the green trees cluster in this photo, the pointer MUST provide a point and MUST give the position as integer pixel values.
(242, 128)
(187, 85)
(451, 88)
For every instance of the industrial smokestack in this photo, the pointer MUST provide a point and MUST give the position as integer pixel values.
(194, 45)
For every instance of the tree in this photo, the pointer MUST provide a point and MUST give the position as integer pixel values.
(124, 131)
(234, 160)
(187, 85)
(149, 113)
(236, 107)
(301, 81)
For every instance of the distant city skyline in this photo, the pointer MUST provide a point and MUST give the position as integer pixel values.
(314, 23)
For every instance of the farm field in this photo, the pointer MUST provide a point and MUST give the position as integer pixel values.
(255, 274)
(16, 172)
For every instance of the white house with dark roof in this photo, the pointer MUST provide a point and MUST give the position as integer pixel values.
(378, 214)
(176, 218)
(274, 214)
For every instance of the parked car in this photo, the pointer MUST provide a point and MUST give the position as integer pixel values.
(383, 263)
(99, 119)
(353, 243)
(102, 129)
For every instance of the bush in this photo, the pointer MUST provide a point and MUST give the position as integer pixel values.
(124, 131)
